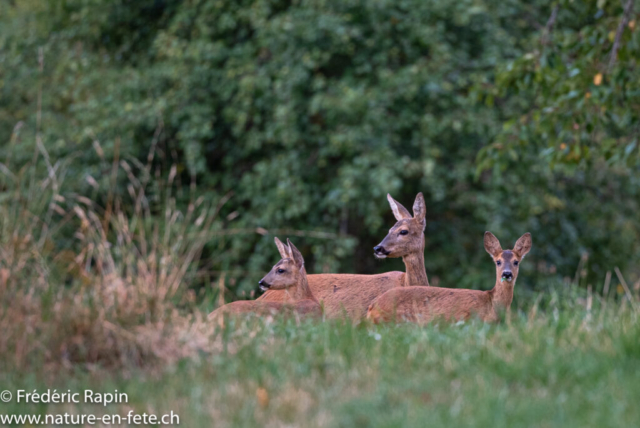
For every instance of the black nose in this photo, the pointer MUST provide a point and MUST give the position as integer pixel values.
(378, 249)
(263, 284)
(507, 275)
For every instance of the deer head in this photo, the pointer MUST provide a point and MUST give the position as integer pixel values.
(287, 272)
(407, 235)
(507, 261)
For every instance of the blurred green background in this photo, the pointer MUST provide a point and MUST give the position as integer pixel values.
(509, 116)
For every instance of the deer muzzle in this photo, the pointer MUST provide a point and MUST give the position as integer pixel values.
(380, 252)
(264, 286)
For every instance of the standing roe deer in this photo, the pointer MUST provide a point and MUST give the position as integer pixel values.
(288, 275)
(425, 304)
(351, 295)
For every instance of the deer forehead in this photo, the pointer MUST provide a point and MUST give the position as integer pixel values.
(507, 256)
(283, 263)
(403, 224)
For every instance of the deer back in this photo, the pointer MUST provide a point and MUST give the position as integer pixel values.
(343, 294)
(426, 304)
(306, 308)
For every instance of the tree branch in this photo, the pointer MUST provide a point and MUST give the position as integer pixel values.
(623, 23)
(549, 26)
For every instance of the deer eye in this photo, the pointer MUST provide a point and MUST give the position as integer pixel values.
(404, 232)
(280, 271)
(498, 262)
(515, 263)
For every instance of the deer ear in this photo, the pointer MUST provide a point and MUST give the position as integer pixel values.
(295, 254)
(491, 244)
(399, 211)
(284, 252)
(523, 245)
(420, 209)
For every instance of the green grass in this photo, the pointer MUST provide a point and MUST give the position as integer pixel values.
(115, 309)
(565, 367)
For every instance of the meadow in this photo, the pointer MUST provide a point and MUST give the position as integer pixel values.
(118, 311)
(569, 364)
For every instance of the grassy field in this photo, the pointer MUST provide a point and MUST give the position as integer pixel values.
(561, 366)
(115, 310)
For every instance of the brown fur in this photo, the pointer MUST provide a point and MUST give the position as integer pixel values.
(351, 295)
(406, 239)
(426, 304)
(306, 308)
(288, 275)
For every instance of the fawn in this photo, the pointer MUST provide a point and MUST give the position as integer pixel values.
(351, 295)
(425, 304)
(288, 275)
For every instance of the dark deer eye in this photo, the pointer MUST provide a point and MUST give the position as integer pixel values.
(280, 271)
(498, 262)
(515, 263)
(404, 232)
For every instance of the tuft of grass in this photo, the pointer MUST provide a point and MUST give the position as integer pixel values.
(118, 295)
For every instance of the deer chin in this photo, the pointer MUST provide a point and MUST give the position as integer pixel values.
(380, 256)
(278, 287)
(263, 288)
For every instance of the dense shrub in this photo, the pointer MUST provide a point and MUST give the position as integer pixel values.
(306, 113)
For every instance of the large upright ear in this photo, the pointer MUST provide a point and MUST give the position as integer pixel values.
(399, 211)
(523, 245)
(420, 209)
(282, 249)
(491, 244)
(295, 254)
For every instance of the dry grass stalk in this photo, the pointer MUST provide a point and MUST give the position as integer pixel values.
(109, 298)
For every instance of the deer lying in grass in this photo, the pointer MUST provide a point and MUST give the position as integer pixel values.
(351, 295)
(406, 239)
(287, 275)
(425, 304)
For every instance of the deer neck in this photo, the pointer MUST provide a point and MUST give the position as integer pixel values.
(302, 290)
(502, 294)
(415, 271)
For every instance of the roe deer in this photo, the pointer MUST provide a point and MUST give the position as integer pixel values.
(351, 295)
(288, 275)
(406, 239)
(425, 304)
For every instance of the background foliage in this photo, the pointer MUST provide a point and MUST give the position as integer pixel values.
(509, 116)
